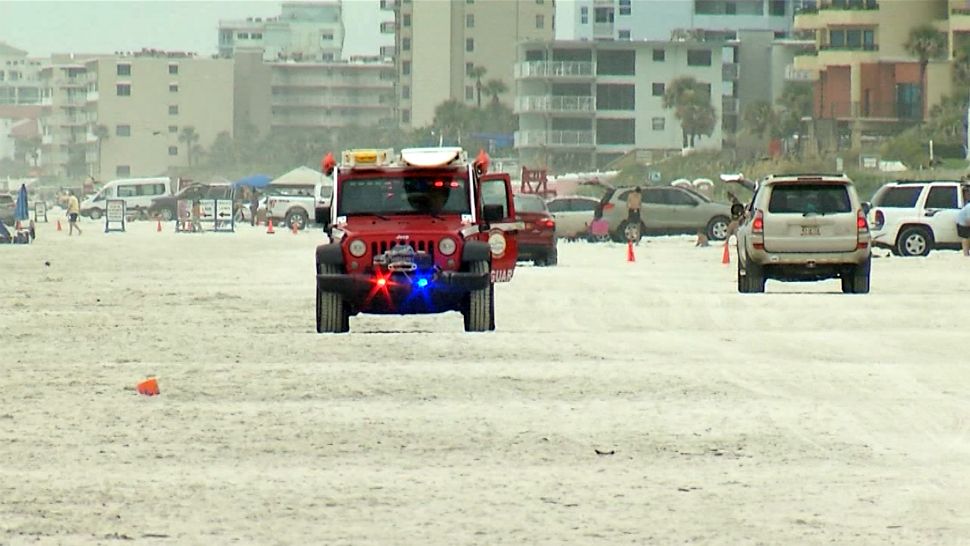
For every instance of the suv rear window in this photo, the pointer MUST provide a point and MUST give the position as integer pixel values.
(809, 198)
(899, 197)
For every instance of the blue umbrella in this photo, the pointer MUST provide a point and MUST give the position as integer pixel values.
(253, 181)
(23, 211)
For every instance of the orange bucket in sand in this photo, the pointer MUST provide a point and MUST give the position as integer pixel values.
(148, 387)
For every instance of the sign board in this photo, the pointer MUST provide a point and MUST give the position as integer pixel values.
(40, 211)
(207, 210)
(869, 162)
(114, 215)
(225, 215)
(205, 214)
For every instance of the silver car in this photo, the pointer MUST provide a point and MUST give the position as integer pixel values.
(666, 210)
(804, 228)
(573, 215)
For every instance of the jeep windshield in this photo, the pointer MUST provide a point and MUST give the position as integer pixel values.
(422, 194)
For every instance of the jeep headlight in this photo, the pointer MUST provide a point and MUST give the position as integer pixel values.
(447, 246)
(357, 248)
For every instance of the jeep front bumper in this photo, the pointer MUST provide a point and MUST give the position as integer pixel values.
(399, 286)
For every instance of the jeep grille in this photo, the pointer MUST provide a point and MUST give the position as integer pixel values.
(380, 247)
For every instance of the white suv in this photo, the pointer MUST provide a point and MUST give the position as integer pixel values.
(804, 228)
(913, 217)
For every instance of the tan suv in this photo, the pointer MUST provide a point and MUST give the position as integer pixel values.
(804, 228)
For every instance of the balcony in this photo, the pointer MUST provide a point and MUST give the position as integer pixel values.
(959, 19)
(389, 4)
(729, 105)
(796, 74)
(558, 70)
(839, 13)
(554, 139)
(870, 111)
(555, 104)
(388, 51)
(846, 55)
(388, 27)
(603, 31)
(730, 72)
(71, 82)
(92, 96)
(47, 139)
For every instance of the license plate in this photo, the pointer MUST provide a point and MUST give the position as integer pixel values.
(809, 230)
(529, 225)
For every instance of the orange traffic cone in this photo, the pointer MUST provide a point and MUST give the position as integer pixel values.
(269, 227)
(58, 225)
(726, 257)
(630, 257)
(148, 387)
(158, 228)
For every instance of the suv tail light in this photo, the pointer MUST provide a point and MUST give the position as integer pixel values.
(862, 230)
(548, 223)
(758, 230)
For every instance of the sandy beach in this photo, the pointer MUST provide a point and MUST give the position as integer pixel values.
(617, 403)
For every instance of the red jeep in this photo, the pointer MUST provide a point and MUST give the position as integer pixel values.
(424, 232)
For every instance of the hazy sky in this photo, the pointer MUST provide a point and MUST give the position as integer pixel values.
(82, 26)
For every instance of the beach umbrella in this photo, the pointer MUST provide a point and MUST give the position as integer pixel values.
(23, 211)
(253, 181)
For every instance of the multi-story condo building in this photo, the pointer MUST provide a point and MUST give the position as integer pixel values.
(440, 44)
(312, 31)
(863, 75)
(582, 104)
(132, 114)
(19, 76)
(656, 19)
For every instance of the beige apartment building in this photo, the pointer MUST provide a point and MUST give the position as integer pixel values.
(864, 78)
(143, 102)
(439, 42)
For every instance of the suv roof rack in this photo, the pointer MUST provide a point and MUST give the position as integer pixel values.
(807, 175)
(930, 181)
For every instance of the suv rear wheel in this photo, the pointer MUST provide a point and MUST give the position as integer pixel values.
(717, 228)
(480, 304)
(753, 280)
(914, 241)
(628, 232)
(95, 214)
(332, 313)
(297, 218)
(856, 281)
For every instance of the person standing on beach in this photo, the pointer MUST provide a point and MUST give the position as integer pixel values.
(633, 202)
(963, 224)
(253, 207)
(73, 211)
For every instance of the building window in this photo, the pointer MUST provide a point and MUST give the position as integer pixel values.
(123, 89)
(584, 15)
(659, 55)
(406, 68)
(173, 69)
(603, 15)
(405, 44)
(326, 37)
(469, 92)
(469, 21)
(123, 170)
(625, 8)
(469, 44)
(615, 97)
(124, 70)
(776, 8)
(659, 89)
(616, 63)
(173, 150)
(406, 19)
(468, 68)
(623, 35)
(405, 116)
(405, 91)
(540, 21)
(173, 128)
(658, 123)
(173, 88)
(616, 131)
(257, 36)
(699, 57)
(122, 130)
(243, 36)
(173, 110)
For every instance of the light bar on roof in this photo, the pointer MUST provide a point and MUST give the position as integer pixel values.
(367, 157)
(433, 157)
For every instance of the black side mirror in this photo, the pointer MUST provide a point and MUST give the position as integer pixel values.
(493, 213)
(866, 207)
(737, 210)
(322, 216)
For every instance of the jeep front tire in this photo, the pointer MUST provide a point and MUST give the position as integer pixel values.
(332, 316)
(479, 306)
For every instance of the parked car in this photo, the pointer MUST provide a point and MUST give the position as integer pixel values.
(804, 228)
(8, 209)
(294, 205)
(912, 217)
(165, 206)
(573, 215)
(666, 210)
(537, 240)
(137, 193)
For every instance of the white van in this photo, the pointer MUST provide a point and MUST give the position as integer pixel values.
(136, 192)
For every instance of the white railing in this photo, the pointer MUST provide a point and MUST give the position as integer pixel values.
(553, 138)
(550, 103)
(798, 75)
(554, 69)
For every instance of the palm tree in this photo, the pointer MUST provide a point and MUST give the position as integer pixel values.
(452, 118)
(494, 88)
(190, 138)
(101, 133)
(760, 118)
(691, 102)
(477, 73)
(925, 43)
